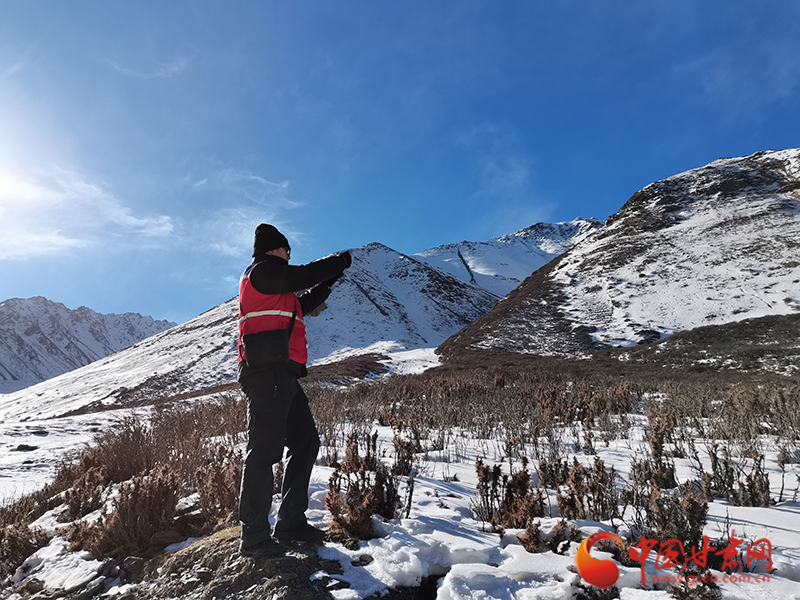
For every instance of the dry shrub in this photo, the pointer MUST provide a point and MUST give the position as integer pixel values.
(589, 493)
(521, 502)
(662, 422)
(354, 461)
(181, 431)
(722, 473)
(534, 541)
(679, 515)
(553, 473)
(86, 494)
(217, 482)
(360, 488)
(18, 542)
(144, 509)
(754, 490)
(563, 534)
(659, 473)
(489, 492)
(124, 450)
(748, 489)
(354, 513)
(697, 584)
(404, 451)
(506, 501)
(354, 498)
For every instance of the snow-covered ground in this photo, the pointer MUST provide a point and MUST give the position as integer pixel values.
(33, 449)
(441, 536)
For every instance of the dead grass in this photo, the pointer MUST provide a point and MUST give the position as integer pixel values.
(143, 511)
(540, 408)
(18, 542)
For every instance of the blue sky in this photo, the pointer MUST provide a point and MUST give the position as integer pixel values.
(141, 143)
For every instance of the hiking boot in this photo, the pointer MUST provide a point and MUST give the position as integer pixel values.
(306, 533)
(269, 548)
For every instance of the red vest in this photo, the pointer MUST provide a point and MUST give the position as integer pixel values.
(264, 312)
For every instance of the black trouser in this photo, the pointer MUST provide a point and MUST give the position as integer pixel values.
(277, 415)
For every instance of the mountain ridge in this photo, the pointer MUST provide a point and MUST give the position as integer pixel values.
(708, 246)
(40, 338)
(386, 303)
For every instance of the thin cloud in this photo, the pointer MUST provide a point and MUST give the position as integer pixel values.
(247, 200)
(91, 197)
(46, 213)
(506, 174)
(156, 70)
(504, 170)
(11, 71)
(745, 79)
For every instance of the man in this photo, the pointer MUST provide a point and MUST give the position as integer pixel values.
(278, 414)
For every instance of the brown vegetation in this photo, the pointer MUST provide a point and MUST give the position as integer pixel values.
(537, 413)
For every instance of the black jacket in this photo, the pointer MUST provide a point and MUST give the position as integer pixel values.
(274, 275)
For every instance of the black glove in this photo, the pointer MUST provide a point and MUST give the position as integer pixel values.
(348, 260)
(332, 280)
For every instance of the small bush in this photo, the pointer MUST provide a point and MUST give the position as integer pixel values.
(353, 461)
(533, 540)
(86, 494)
(563, 534)
(217, 483)
(360, 488)
(144, 508)
(553, 473)
(754, 490)
(354, 498)
(679, 515)
(697, 584)
(658, 473)
(589, 494)
(506, 501)
(18, 542)
(489, 492)
(404, 451)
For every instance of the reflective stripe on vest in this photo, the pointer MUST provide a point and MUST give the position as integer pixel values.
(264, 313)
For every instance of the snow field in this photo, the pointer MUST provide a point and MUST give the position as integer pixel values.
(441, 536)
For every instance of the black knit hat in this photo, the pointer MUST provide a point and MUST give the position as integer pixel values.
(268, 238)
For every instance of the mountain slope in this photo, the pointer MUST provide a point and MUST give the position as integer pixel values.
(386, 301)
(40, 339)
(501, 264)
(705, 247)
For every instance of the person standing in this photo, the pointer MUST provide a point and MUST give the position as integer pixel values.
(278, 413)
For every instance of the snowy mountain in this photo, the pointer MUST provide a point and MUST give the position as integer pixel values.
(501, 264)
(709, 246)
(40, 339)
(387, 302)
